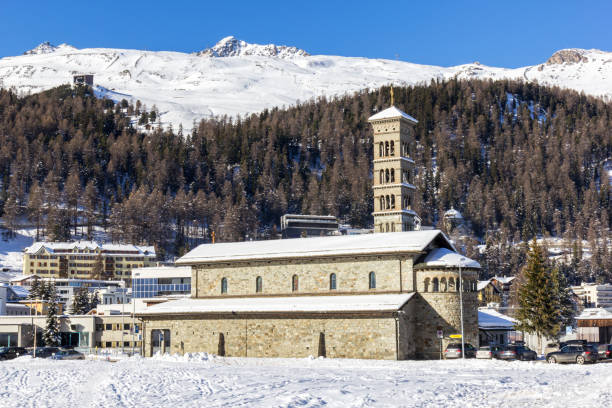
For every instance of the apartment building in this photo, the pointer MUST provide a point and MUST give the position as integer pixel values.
(86, 260)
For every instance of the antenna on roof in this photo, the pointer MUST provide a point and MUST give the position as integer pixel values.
(392, 103)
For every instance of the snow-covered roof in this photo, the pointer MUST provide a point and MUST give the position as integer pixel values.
(482, 284)
(452, 213)
(443, 257)
(504, 279)
(492, 319)
(53, 247)
(595, 313)
(314, 304)
(390, 113)
(392, 242)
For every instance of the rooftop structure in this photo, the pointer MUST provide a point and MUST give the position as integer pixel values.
(162, 281)
(301, 226)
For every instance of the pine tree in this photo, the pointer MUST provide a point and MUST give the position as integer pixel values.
(51, 333)
(35, 288)
(80, 302)
(540, 309)
(94, 300)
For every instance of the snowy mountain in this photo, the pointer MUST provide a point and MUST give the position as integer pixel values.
(234, 77)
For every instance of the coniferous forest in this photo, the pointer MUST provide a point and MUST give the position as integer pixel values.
(518, 160)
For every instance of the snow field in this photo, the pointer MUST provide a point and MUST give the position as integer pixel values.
(200, 380)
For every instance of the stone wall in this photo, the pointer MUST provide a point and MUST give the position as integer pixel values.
(289, 336)
(352, 275)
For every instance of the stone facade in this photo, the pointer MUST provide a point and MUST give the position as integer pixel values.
(393, 274)
(345, 336)
(393, 174)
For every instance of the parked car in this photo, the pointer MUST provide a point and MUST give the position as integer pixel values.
(604, 351)
(573, 354)
(9, 353)
(68, 355)
(488, 352)
(453, 350)
(44, 352)
(517, 352)
(572, 343)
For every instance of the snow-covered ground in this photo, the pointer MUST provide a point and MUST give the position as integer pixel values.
(235, 78)
(199, 381)
(11, 252)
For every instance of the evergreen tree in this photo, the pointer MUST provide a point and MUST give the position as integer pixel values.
(80, 302)
(541, 311)
(51, 333)
(35, 288)
(94, 300)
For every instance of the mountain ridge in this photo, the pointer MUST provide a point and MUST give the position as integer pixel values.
(235, 78)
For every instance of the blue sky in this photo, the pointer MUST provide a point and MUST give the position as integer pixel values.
(499, 33)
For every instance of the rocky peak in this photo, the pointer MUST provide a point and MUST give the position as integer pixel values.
(47, 48)
(571, 56)
(232, 47)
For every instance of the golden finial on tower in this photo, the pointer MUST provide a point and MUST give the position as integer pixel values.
(392, 96)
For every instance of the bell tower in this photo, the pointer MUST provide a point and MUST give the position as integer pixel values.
(393, 171)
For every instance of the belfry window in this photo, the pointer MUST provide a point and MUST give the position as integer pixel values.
(258, 284)
(332, 281)
(436, 285)
(386, 175)
(386, 148)
(393, 175)
(392, 148)
(372, 280)
(393, 201)
(380, 149)
(224, 285)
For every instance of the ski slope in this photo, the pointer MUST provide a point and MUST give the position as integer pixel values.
(235, 78)
(203, 381)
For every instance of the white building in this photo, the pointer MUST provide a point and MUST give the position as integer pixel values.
(593, 295)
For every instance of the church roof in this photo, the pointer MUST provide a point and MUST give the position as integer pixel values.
(392, 112)
(365, 244)
(443, 257)
(297, 304)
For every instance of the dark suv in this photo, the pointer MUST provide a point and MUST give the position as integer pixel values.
(573, 354)
(44, 352)
(517, 352)
(605, 351)
(9, 353)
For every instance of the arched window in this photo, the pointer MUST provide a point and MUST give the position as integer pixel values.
(380, 149)
(386, 175)
(392, 227)
(443, 285)
(294, 283)
(380, 179)
(388, 200)
(426, 285)
(393, 201)
(382, 203)
(393, 175)
(451, 284)
(332, 281)
(436, 285)
(404, 176)
(387, 227)
(386, 148)
(392, 148)
(372, 280)
(224, 285)
(258, 284)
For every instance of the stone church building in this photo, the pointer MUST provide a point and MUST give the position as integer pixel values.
(381, 296)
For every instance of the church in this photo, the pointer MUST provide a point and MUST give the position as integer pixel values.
(387, 295)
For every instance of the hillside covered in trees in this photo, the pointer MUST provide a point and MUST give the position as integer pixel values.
(517, 159)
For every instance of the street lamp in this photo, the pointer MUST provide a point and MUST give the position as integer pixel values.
(461, 306)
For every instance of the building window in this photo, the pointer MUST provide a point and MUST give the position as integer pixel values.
(258, 284)
(332, 281)
(382, 202)
(451, 285)
(386, 148)
(294, 283)
(392, 148)
(436, 285)
(393, 175)
(443, 285)
(393, 201)
(372, 280)
(224, 285)
(380, 149)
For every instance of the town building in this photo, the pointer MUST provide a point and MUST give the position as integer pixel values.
(86, 260)
(595, 325)
(393, 182)
(161, 281)
(488, 293)
(495, 328)
(593, 295)
(301, 226)
(83, 79)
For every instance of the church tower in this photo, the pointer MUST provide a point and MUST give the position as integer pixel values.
(393, 171)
